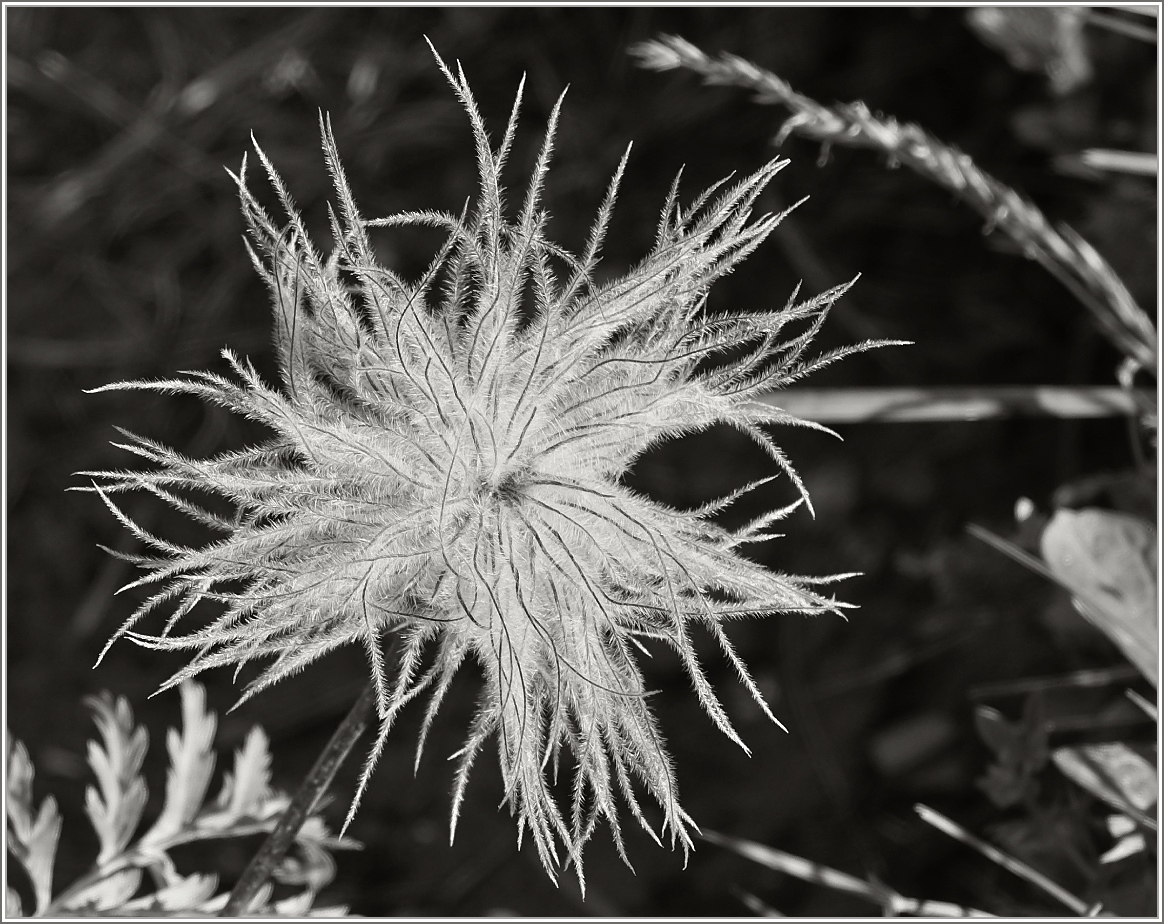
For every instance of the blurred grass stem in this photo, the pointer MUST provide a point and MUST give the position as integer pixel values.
(1137, 162)
(891, 902)
(1149, 708)
(936, 405)
(1121, 26)
(1020, 869)
(1087, 679)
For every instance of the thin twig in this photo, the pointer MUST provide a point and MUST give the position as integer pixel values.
(1020, 869)
(1062, 252)
(276, 845)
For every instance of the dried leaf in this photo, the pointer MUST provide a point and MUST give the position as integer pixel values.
(1113, 772)
(1108, 560)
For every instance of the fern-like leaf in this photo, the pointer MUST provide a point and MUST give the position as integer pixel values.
(32, 833)
(246, 805)
(115, 808)
(246, 791)
(191, 766)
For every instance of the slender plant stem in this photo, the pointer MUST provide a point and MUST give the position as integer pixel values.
(956, 831)
(314, 784)
(1121, 26)
(884, 405)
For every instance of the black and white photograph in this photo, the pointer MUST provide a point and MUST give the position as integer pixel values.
(581, 461)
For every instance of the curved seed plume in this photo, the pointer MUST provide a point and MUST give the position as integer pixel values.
(445, 469)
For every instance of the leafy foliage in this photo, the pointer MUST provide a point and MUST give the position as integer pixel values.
(32, 834)
(246, 805)
(1106, 560)
(450, 472)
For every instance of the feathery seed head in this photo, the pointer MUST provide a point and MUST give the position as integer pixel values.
(447, 472)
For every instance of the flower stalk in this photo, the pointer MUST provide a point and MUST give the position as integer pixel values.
(305, 800)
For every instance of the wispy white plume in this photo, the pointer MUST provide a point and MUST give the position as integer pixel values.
(446, 467)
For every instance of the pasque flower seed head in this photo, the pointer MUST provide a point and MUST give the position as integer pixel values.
(445, 468)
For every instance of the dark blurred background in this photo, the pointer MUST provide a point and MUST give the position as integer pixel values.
(125, 261)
